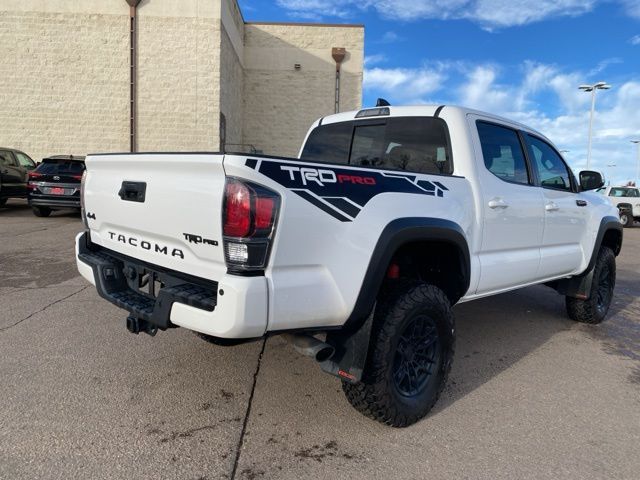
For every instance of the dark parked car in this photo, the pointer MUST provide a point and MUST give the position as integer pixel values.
(14, 169)
(55, 184)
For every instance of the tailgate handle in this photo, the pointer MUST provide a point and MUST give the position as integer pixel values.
(133, 191)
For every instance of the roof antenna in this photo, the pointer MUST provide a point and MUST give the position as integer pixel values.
(382, 103)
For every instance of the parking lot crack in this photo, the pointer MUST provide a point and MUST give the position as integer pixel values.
(3, 329)
(247, 413)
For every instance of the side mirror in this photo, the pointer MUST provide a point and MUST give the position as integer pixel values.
(590, 180)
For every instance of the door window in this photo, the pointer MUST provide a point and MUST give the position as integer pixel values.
(6, 159)
(552, 171)
(25, 161)
(503, 153)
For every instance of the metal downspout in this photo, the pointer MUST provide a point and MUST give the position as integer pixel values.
(133, 62)
(338, 55)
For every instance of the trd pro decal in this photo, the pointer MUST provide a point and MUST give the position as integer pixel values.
(342, 192)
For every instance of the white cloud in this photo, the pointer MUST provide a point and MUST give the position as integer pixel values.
(632, 7)
(488, 13)
(635, 40)
(317, 9)
(390, 37)
(371, 60)
(404, 85)
(545, 98)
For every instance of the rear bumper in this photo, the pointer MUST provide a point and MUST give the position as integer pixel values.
(233, 307)
(54, 202)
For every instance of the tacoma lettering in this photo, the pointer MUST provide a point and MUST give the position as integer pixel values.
(146, 245)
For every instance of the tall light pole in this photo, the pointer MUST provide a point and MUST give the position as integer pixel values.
(592, 89)
(637, 142)
(609, 167)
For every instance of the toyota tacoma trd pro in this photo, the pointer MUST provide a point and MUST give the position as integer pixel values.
(357, 250)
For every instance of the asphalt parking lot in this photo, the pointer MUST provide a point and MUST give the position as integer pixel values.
(531, 395)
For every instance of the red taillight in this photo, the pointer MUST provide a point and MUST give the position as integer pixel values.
(237, 215)
(249, 218)
(265, 208)
(33, 176)
(77, 177)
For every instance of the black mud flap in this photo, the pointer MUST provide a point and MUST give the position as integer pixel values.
(352, 348)
(577, 287)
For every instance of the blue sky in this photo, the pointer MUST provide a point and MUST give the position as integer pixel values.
(521, 59)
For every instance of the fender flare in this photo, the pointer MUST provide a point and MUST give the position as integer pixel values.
(396, 234)
(351, 343)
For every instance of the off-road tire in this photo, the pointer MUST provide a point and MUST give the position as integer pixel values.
(41, 211)
(378, 395)
(222, 342)
(595, 308)
(626, 220)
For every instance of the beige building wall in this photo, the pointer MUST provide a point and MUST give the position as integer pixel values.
(65, 82)
(232, 74)
(178, 75)
(280, 102)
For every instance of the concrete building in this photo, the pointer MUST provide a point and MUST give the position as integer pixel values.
(204, 78)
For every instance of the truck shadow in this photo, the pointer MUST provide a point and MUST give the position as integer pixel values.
(494, 334)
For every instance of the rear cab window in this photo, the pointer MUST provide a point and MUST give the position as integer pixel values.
(412, 144)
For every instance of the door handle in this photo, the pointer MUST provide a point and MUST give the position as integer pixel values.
(498, 203)
(551, 207)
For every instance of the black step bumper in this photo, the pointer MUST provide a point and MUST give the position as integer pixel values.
(121, 280)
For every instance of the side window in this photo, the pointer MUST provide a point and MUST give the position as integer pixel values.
(502, 152)
(552, 170)
(25, 161)
(7, 160)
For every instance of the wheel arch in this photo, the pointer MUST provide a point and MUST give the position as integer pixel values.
(401, 233)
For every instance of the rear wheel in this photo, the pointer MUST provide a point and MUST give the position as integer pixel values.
(41, 211)
(412, 345)
(595, 308)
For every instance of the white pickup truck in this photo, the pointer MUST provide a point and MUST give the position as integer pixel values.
(627, 199)
(358, 249)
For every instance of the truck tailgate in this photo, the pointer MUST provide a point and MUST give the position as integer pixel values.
(164, 209)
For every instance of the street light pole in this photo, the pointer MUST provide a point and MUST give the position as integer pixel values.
(592, 89)
(637, 142)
